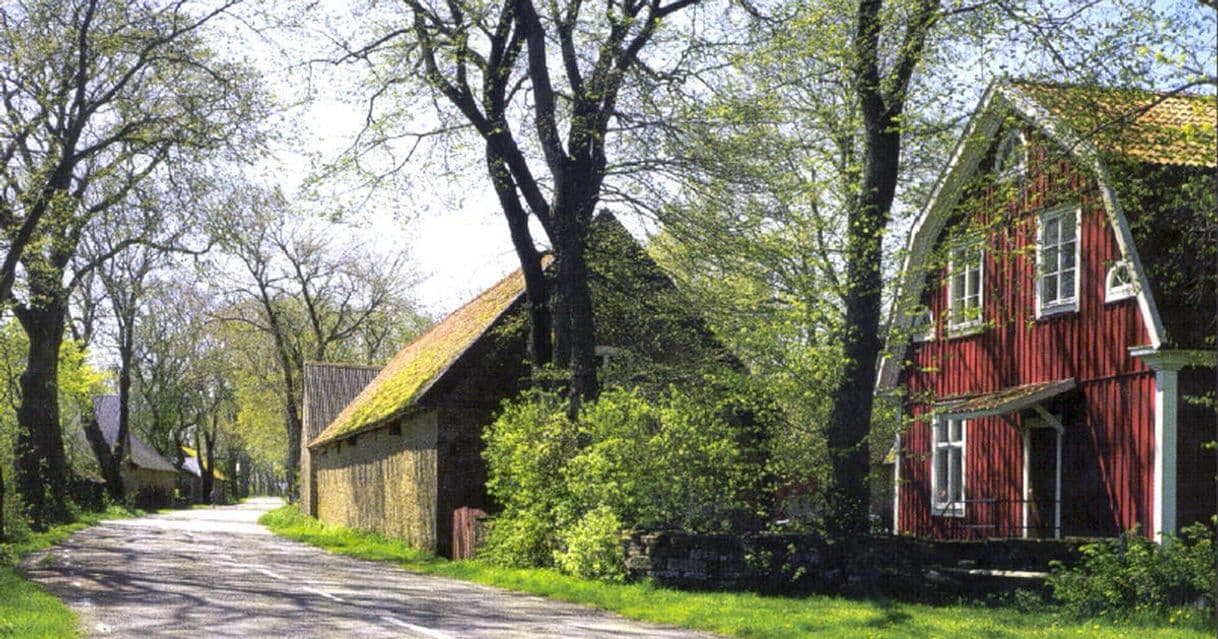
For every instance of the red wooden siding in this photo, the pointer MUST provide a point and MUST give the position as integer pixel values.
(1107, 452)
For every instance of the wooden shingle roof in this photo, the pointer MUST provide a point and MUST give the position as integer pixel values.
(399, 387)
(1157, 128)
(328, 388)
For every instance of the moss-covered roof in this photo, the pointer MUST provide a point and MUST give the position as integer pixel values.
(1176, 129)
(405, 380)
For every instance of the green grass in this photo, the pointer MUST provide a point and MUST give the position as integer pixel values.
(740, 614)
(27, 611)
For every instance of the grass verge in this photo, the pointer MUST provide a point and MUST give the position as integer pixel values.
(25, 609)
(739, 614)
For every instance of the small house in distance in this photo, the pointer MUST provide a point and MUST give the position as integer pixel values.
(328, 388)
(406, 454)
(192, 479)
(148, 477)
(1055, 316)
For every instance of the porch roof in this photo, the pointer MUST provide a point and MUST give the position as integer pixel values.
(1005, 401)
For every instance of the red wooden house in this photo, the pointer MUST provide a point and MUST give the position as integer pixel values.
(1055, 319)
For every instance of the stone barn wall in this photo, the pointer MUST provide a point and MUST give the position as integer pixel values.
(383, 480)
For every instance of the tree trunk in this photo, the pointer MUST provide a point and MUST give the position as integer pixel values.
(850, 416)
(3, 536)
(109, 465)
(575, 339)
(121, 442)
(42, 467)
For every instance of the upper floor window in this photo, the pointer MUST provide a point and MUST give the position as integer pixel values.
(1011, 157)
(1119, 283)
(947, 467)
(1057, 261)
(964, 270)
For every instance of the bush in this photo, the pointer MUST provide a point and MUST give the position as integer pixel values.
(569, 489)
(1135, 574)
(592, 547)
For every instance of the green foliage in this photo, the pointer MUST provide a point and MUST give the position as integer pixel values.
(677, 460)
(592, 547)
(1136, 575)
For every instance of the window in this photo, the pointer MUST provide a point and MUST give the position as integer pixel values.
(1118, 285)
(964, 269)
(947, 467)
(1011, 158)
(922, 325)
(1057, 261)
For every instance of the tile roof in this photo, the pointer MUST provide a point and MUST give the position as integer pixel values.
(406, 379)
(1158, 128)
(106, 410)
(328, 388)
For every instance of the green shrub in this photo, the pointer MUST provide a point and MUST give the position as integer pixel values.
(569, 489)
(592, 547)
(1135, 574)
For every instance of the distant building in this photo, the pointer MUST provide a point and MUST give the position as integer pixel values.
(191, 484)
(328, 388)
(148, 477)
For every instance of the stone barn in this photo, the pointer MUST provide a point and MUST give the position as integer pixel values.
(407, 452)
(328, 388)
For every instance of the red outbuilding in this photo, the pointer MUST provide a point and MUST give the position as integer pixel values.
(1054, 326)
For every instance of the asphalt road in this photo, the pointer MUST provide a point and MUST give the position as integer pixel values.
(217, 573)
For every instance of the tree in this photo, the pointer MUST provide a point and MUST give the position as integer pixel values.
(127, 252)
(311, 298)
(99, 98)
(540, 85)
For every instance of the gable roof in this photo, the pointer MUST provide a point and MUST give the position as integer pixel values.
(405, 381)
(328, 388)
(1088, 122)
(1156, 128)
(106, 411)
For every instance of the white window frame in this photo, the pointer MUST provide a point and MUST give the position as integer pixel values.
(1061, 303)
(967, 319)
(1013, 146)
(942, 507)
(922, 326)
(1114, 292)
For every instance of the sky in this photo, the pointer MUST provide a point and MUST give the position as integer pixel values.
(457, 240)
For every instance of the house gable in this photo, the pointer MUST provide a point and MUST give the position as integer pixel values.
(1156, 131)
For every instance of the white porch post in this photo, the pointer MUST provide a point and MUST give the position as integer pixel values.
(896, 489)
(1166, 397)
(1057, 490)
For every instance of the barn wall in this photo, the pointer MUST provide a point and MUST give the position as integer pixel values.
(1108, 445)
(383, 480)
(149, 487)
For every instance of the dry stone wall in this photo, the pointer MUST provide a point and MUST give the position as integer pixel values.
(878, 565)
